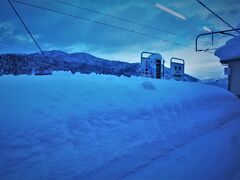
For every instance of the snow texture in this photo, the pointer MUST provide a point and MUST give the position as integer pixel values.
(106, 127)
(231, 50)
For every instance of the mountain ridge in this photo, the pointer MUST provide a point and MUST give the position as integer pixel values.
(36, 63)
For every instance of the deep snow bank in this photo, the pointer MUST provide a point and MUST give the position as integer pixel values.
(230, 50)
(100, 127)
(212, 156)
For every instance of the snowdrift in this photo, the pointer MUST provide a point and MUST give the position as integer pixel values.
(101, 127)
(231, 50)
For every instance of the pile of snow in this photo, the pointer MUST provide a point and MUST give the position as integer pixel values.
(103, 127)
(231, 50)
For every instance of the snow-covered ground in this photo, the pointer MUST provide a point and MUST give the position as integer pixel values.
(215, 155)
(105, 127)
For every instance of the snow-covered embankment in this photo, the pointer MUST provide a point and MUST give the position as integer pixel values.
(101, 127)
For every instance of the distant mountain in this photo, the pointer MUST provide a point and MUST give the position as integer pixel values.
(220, 82)
(76, 62)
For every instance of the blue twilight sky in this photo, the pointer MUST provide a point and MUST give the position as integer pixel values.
(176, 37)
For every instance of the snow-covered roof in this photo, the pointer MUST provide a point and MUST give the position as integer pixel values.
(155, 56)
(230, 51)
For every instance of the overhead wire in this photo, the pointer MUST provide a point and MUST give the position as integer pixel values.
(107, 24)
(25, 26)
(122, 19)
(101, 23)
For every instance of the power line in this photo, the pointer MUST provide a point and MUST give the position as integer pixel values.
(9, 1)
(101, 23)
(121, 19)
(224, 32)
(216, 15)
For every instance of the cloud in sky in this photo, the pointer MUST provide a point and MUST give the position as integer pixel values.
(170, 11)
(207, 29)
(200, 64)
(54, 31)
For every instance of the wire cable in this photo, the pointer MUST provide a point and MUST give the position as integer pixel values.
(122, 19)
(9, 1)
(101, 23)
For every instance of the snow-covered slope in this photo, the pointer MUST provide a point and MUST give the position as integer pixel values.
(106, 127)
(60, 61)
(76, 62)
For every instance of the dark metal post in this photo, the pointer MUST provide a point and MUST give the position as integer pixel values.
(226, 32)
